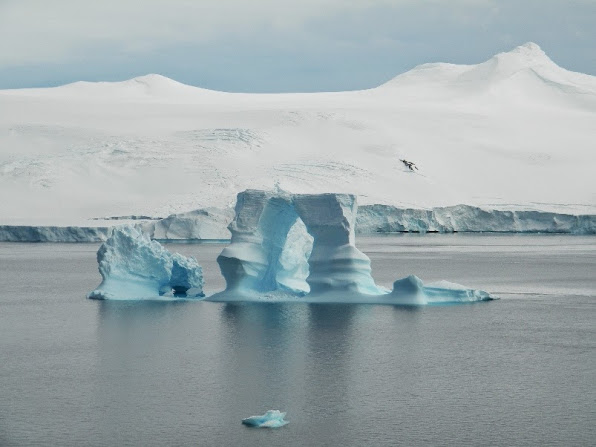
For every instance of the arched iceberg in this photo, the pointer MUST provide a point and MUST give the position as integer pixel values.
(270, 247)
(295, 244)
(303, 246)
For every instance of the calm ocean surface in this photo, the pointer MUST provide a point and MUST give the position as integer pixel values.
(520, 371)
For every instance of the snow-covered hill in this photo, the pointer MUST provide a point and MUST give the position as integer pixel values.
(516, 131)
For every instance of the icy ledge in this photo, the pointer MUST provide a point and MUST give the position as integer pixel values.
(211, 224)
(469, 219)
(134, 267)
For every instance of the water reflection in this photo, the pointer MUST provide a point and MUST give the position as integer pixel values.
(264, 354)
(143, 352)
(125, 326)
(285, 356)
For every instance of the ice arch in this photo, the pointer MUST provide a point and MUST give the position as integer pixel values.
(264, 225)
(298, 243)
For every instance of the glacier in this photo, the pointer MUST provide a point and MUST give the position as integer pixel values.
(302, 247)
(515, 132)
(53, 233)
(133, 267)
(378, 218)
(271, 419)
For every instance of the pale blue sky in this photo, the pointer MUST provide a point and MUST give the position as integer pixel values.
(278, 45)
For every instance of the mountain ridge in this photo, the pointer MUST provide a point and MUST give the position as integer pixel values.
(503, 65)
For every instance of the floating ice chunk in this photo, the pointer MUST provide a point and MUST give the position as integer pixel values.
(134, 267)
(412, 291)
(271, 419)
(449, 292)
(409, 291)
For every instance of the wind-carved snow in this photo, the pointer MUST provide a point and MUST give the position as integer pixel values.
(134, 267)
(302, 247)
(307, 171)
(223, 140)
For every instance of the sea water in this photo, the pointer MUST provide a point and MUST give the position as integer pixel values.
(517, 371)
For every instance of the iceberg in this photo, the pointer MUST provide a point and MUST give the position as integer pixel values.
(132, 266)
(269, 250)
(301, 243)
(288, 247)
(271, 419)
(284, 247)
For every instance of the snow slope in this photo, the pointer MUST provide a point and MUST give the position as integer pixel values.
(514, 132)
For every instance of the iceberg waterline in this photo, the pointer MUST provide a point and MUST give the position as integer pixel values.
(284, 248)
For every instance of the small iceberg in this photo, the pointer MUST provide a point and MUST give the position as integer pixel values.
(133, 267)
(271, 419)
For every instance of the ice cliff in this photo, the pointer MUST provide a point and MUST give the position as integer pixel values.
(134, 267)
(285, 245)
(52, 233)
(212, 223)
(470, 219)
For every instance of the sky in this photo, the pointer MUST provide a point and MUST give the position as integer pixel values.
(278, 45)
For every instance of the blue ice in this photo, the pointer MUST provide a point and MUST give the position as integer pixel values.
(271, 419)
